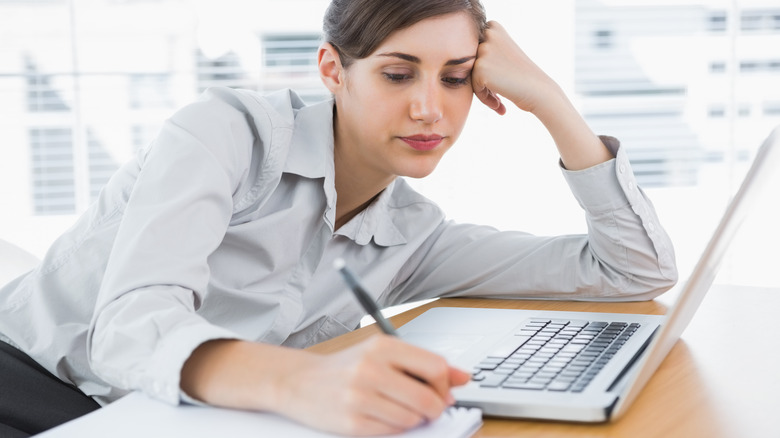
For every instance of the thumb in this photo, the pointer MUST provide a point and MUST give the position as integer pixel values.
(459, 377)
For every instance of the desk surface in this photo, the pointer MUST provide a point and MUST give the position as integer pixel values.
(714, 383)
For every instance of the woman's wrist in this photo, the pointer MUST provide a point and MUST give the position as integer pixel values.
(578, 146)
(235, 374)
(551, 104)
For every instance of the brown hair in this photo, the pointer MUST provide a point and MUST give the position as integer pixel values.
(356, 28)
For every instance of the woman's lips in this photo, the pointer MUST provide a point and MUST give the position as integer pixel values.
(423, 142)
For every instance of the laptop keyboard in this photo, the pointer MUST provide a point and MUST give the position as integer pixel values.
(553, 355)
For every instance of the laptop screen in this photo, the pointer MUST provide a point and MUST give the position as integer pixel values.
(767, 159)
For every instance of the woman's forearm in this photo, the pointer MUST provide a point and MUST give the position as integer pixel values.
(236, 374)
(367, 388)
(578, 146)
(502, 68)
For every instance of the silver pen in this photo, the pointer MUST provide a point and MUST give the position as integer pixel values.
(369, 305)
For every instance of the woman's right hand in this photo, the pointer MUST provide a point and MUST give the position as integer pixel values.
(371, 388)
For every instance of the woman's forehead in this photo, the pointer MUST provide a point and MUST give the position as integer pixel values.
(452, 36)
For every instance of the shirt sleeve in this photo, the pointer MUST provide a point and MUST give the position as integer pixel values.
(145, 324)
(626, 254)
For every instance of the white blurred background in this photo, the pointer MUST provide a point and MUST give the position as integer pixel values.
(690, 87)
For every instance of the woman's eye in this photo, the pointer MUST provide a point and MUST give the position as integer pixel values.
(396, 77)
(455, 82)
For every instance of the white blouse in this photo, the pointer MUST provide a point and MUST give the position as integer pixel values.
(224, 228)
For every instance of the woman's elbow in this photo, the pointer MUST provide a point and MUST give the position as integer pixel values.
(650, 287)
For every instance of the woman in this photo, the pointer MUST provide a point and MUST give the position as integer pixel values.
(208, 257)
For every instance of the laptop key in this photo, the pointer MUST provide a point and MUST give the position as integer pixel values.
(508, 346)
(573, 347)
(559, 386)
(493, 380)
(526, 385)
(489, 363)
(478, 376)
(537, 321)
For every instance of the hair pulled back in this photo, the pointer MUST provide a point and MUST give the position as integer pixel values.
(357, 27)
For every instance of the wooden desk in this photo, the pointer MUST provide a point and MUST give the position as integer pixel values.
(713, 383)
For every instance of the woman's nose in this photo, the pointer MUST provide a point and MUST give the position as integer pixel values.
(426, 105)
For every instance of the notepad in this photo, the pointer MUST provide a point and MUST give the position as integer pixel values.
(137, 415)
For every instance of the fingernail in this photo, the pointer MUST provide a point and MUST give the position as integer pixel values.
(450, 400)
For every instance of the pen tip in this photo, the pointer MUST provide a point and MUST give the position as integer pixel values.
(338, 263)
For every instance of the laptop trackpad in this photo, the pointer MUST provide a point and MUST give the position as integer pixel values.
(451, 347)
(452, 331)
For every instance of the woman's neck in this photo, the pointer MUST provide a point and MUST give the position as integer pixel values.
(356, 185)
(355, 190)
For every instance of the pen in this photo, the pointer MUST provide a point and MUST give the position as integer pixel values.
(365, 299)
(370, 305)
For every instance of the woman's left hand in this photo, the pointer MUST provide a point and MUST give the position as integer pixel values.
(502, 68)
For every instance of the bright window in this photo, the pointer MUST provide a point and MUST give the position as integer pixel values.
(690, 88)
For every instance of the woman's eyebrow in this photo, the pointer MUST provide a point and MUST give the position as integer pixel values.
(404, 56)
(460, 60)
(416, 60)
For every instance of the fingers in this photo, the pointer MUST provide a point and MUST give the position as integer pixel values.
(414, 395)
(491, 100)
(503, 68)
(485, 68)
(459, 377)
(394, 410)
(429, 369)
(421, 396)
(410, 376)
(494, 25)
(380, 386)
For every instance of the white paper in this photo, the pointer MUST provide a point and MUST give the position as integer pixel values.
(138, 416)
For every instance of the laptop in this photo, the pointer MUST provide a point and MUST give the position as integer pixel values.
(576, 366)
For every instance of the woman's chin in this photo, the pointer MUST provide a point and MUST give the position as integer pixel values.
(419, 171)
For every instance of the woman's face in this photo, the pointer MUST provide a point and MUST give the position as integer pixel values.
(403, 106)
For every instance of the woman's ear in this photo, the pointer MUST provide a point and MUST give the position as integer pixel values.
(329, 65)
